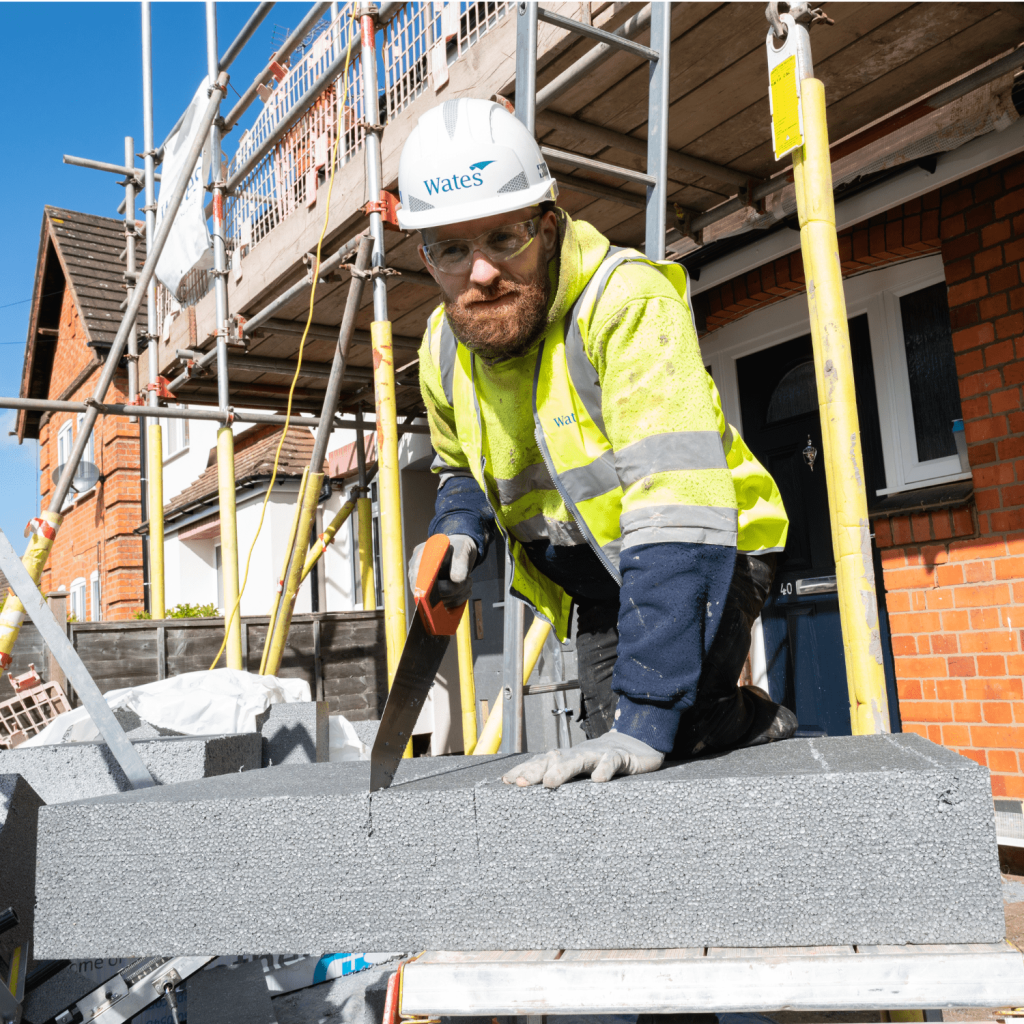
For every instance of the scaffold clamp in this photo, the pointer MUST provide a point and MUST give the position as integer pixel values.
(160, 386)
(387, 207)
(373, 272)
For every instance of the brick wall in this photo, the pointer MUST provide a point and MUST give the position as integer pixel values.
(903, 232)
(97, 531)
(954, 577)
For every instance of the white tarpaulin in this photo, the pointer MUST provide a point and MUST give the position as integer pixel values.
(189, 246)
(218, 702)
(208, 703)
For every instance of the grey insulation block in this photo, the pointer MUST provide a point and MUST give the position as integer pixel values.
(367, 730)
(77, 771)
(834, 841)
(230, 995)
(19, 809)
(295, 733)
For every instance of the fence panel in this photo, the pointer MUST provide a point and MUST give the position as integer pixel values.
(352, 654)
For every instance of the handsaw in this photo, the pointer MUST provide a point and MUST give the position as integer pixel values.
(432, 629)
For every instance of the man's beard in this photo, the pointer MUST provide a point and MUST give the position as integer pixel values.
(505, 332)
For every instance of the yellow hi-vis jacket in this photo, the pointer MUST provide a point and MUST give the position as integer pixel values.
(607, 431)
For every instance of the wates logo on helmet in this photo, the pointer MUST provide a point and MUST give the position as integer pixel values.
(457, 182)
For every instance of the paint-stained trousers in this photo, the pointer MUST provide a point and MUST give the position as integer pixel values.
(724, 715)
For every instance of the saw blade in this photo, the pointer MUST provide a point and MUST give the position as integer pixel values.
(421, 658)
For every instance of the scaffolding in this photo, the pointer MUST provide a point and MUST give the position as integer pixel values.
(318, 119)
(305, 132)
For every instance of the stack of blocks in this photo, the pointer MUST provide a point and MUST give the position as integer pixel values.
(836, 841)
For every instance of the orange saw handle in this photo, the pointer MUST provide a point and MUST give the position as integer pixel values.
(440, 621)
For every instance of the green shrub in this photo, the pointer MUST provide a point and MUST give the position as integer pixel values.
(186, 611)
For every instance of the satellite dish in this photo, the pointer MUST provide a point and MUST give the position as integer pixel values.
(87, 476)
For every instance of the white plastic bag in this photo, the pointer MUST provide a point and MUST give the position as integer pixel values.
(345, 745)
(224, 701)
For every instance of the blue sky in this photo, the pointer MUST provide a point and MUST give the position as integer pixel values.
(82, 97)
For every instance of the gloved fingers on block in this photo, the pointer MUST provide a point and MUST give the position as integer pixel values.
(454, 584)
(603, 758)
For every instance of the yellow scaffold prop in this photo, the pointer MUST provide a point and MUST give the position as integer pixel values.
(833, 366)
(41, 531)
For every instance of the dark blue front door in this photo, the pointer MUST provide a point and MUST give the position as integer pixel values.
(802, 634)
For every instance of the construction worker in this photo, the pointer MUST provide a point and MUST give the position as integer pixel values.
(570, 411)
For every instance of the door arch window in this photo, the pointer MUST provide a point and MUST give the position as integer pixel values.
(795, 395)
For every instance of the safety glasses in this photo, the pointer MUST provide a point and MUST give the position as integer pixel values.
(499, 245)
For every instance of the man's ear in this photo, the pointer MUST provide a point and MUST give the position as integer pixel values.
(426, 262)
(548, 230)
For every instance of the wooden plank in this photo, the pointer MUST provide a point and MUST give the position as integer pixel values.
(685, 18)
(786, 952)
(161, 652)
(591, 955)
(523, 956)
(717, 82)
(799, 980)
(856, 87)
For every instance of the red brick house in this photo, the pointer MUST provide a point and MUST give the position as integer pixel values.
(76, 310)
(935, 294)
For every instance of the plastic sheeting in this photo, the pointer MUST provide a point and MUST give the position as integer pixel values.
(209, 703)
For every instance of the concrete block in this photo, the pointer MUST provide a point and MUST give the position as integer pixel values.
(78, 771)
(367, 730)
(19, 809)
(230, 995)
(833, 841)
(295, 733)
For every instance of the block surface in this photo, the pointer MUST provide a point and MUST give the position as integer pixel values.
(834, 841)
(19, 807)
(295, 733)
(78, 771)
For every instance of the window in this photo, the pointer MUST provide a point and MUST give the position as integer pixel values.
(65, 440)
(95, 607)
(76, 600)
(175, 435)
(219, 566)
(912, 362)
(89, 455)
(795, 395)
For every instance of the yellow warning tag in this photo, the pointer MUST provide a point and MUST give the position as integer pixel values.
(785, 106)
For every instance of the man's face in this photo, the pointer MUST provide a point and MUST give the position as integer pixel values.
(497, 307)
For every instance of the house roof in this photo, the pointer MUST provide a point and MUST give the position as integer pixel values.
(79, 251)
(254, 460)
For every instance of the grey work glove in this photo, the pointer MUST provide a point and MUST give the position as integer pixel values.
(609, 755)
(457, 587)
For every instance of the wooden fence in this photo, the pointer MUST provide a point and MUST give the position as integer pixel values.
(340, 654)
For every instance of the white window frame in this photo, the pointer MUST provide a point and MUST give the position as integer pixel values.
(176, 429)
(89, 455)
(65, 443)
(95, 597)
(876, 293)
(77, 591)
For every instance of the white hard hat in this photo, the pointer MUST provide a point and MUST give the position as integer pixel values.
(468, 159)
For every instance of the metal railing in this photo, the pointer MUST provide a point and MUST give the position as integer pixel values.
(420, 41)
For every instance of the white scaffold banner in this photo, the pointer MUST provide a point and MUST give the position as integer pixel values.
(189, 246)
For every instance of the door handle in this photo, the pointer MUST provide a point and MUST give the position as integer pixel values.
(817, 585)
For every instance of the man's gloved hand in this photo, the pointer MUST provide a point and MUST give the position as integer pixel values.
(609, 755)
(458, 586)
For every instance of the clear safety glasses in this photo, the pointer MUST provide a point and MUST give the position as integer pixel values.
(499, 245)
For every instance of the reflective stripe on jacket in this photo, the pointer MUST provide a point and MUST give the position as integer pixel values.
(607, 431)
